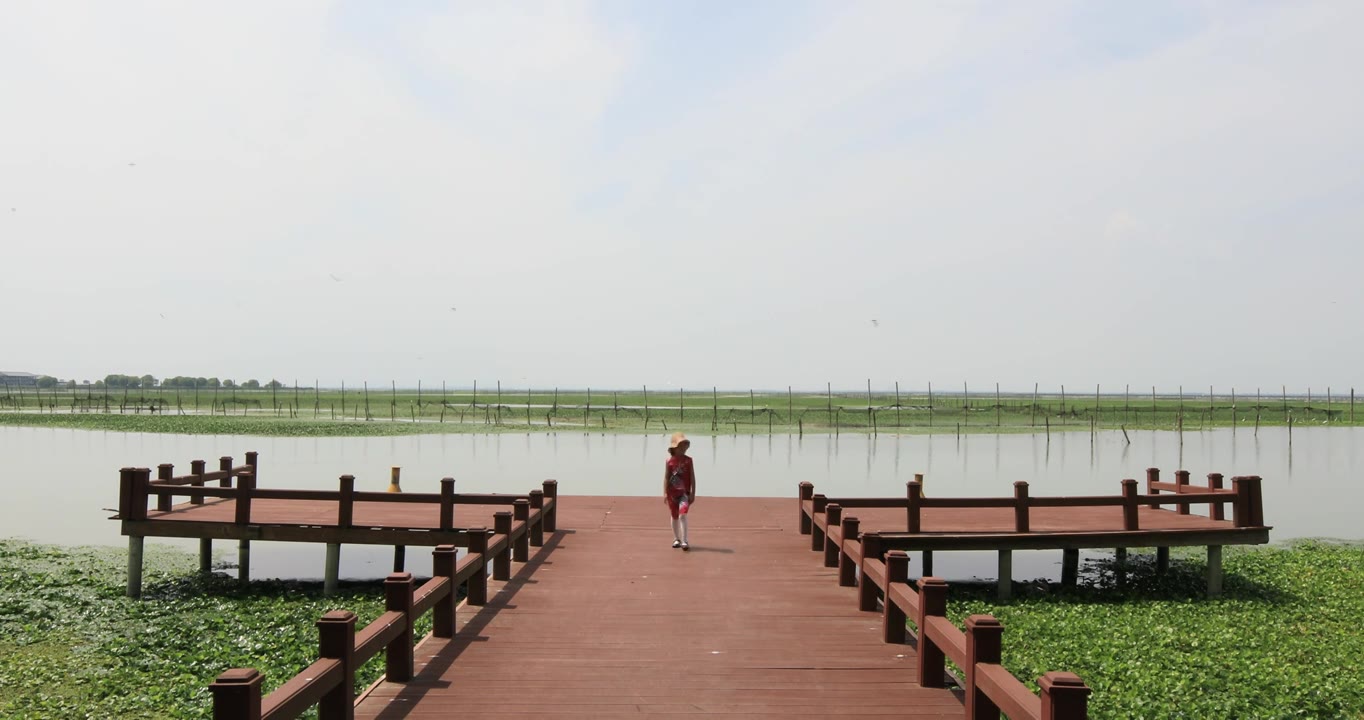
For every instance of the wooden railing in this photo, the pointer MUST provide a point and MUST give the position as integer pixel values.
(137, 486)
(882, 578)
(1245, 498)
(329, 682)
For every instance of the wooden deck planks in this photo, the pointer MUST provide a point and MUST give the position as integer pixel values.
(607, 620)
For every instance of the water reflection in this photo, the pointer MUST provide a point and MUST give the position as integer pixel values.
(63, 481)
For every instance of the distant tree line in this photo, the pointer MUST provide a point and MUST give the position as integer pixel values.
(147, 382)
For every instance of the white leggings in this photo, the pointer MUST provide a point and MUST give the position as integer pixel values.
(680, 528)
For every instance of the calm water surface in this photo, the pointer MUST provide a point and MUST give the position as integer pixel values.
(61, 484)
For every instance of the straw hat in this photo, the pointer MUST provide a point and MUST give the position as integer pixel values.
(678, 439)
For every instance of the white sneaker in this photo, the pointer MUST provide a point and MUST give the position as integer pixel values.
(678, 544)
(686, 546)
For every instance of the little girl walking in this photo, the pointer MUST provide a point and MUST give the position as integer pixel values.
(679, 487)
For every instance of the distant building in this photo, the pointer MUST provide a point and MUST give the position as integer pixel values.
(18, 379)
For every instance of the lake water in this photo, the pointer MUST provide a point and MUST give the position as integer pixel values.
(60, 485)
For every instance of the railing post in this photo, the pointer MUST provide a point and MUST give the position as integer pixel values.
(502, 523)
(892, 616)
(1182, 486)
(833, 516)
(196, 467)
(225, 465)
(141, 487)
(537, 529)
(1218, 511)
(164, 471)
(345, 507)
(552, 494)
(866, 590)
(398, 589)
(246, 482)
(984, 638)
(443, 561)
(253, 460)
(1152, 477)
(818, 504)
(336, 641)
(125, 493)
(1256, 502)
(447, 504)
(1129, 505)
(236, 694)
(521, 514)
(914, 494)
(807, 491)
(1240, 508)
(1064, 696)
(932, 603)
(1021, 506)
(478, 583)
(847, 569)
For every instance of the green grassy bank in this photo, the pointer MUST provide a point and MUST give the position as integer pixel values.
(72, 646)
(310, 412)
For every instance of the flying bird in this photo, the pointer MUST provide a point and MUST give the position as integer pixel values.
(163, 317)
(876, 323)
(333, 277)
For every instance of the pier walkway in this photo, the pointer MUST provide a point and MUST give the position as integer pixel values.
(607, 620)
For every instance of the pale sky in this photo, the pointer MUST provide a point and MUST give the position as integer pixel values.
(686, 193)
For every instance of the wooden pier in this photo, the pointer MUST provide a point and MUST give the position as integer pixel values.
(780, 608)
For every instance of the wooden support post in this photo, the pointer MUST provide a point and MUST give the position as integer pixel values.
(1218, 510)
(332, 573)
(205, 556)
(135, 544)
(1152, 476)
(237, 694)
(253, 460)
(225, 465)
(1182, 483)
(1021, 506)
(164, 472)
(1064, 696)
(932, 602)
(447, 504)
(502, 524)
(243, 561)
(1162, 560)
(478, 584)
(807, 491)
(819, 505)
(893, 617)
(984, 643)
(537, 529)
(1006, 575)
(1240, 508)
(443, 562)
(1214, 571)
(551, 488)
(1070, 567)
(926, 559)
(1130, 520)
(196, 467)
(867, 592)
(847, 569)
(914, 492)
(1120, 566)
(336, 641)
(521, 514)
(398, 589)
(833, 513)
